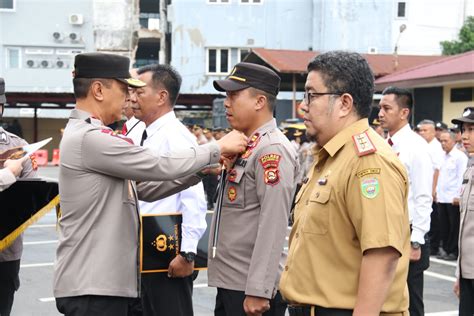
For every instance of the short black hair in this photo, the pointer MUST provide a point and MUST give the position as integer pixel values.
(403, 97)
(82, 85)
(166, 76)
(347, 72)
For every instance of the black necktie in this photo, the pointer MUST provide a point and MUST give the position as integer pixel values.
(144, 136)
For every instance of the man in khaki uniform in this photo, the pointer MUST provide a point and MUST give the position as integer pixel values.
(349, 244)
(96, 269)
(10, 257)
(258, 193)
(464, 286)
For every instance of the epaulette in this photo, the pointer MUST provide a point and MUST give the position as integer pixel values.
(363, 144)
(115, 134)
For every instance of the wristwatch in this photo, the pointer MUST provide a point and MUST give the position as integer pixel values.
(189, 256)
(415, 245)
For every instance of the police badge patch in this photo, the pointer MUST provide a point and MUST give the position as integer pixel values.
(270, 163)
(232, 194)
(370, 188)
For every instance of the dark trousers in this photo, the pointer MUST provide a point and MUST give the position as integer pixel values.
(415, 280)
(466, 297)
(319, 311)
(231, 303)
(435, 232)
(166, 296)
(9, 283)
(210, 186)
(449, 226)
(94, 305)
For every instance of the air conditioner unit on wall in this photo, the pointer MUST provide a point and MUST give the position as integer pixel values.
(61, 64)
(30, 63)
(45, 63)
(372, 50)
(76, 19)
(58, 36)
(74, 37)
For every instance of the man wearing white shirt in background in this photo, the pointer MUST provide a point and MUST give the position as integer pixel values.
(395, 107)
(428, 130)
(169, 294)
(449, 190)
(132, 127)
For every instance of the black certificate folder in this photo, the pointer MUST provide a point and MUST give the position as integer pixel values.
(22, 204)
(160, 242)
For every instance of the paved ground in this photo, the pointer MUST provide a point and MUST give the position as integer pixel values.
(35, 296)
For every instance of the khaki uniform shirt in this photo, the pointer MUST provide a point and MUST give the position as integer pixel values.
(354, 200)
(99, 227)
(7, 141)
(257, 196)
(466, 232)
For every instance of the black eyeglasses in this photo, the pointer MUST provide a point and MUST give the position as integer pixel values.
(309, 96)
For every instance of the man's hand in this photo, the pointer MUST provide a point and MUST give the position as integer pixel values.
(15, 165)
(228, 161)
(456, 287)
(233, 143)
(180, 268)
(415, 254)
(256, 306)
(456, 201)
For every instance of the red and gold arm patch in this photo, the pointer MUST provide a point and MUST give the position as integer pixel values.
(270, 163)
(113, 133)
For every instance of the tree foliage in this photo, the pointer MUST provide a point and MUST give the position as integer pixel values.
(465, 42)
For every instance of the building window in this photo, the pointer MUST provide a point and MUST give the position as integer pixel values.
(13, 58)
(218, 61)
(462, 94)
(251, 1)
(7, 5)
(401, 9)
(243, 52)
(218, 1)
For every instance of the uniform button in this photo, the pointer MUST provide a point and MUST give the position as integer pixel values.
(266, 291)
(317, 194)
(297, 235)
(286, 268)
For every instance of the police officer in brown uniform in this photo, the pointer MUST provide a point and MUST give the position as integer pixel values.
(464, 286)
(10, 257)
(96, 269)
(349, 244)
(257, 196)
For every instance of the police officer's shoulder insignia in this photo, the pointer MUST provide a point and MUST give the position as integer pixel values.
(232, 193)
(232, 175)
(115, 134)
(3, 138)
(370, 187)
(270, 163)
(363, 144)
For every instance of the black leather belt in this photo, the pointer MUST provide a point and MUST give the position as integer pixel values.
(317, 311)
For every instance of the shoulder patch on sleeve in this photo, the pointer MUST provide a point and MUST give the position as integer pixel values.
(363, 144)
(270, 163)
(114, 134)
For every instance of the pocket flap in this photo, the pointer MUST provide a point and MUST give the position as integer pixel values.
(235, 175)
(320, 196)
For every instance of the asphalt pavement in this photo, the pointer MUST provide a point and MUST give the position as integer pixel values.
(35, 296)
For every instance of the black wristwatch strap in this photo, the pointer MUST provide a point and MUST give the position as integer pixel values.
(189, 256)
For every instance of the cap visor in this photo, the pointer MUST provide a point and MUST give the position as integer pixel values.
(461, 120)
(135, 83)
(229, 85)
(3, 99)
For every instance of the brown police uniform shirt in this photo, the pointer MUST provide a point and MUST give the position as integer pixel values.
(466, 231)
(355, 199)
(257, 196)
(7, 141)
(99, 228)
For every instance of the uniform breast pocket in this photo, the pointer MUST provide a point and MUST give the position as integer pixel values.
(317, 212)
(128, 195)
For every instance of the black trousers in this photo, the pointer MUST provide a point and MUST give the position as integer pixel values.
(319, 311)
(94, 305)
(9, 283)
(166, 296)
(449, 226)
(231, 303)
(435, 230)
(415, 280)
(466, 297)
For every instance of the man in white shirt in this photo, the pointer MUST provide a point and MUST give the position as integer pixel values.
(449, 190)
(427, 130)
(132, 128)
(169, 294)
(412, 149)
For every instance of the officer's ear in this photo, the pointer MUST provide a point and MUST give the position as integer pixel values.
(345, 103)
(97, 90)
(260, 102)
(404, 113)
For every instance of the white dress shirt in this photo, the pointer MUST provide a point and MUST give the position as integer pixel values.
(413, 151)
(163, 135)
(436, 153)
(451, 175)
(135, 129)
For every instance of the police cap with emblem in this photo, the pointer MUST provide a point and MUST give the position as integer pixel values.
(467, 117)
(441, 126)
(245, 75)
(107, 66)
(3, 99)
